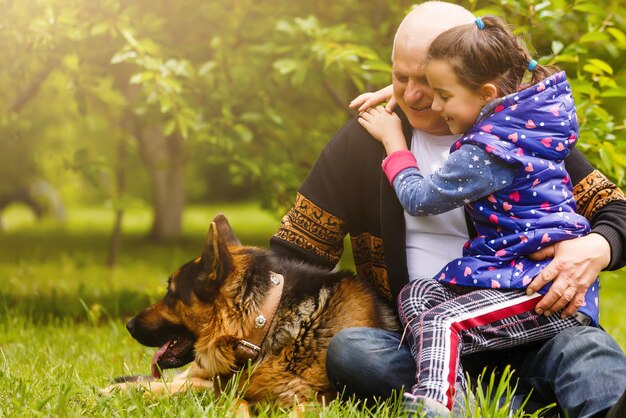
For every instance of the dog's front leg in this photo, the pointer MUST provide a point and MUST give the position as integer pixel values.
(192, 378)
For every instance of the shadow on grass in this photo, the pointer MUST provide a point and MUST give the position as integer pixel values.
(59, 274)
(76, 306)
(88, 247)
(56, 273)
(35, 246)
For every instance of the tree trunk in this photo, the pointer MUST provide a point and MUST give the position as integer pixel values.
(164, 158)
(120, 190)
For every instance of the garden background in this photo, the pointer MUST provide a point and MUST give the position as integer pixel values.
(126, 125)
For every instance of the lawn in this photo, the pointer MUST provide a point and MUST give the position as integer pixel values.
(62, 334)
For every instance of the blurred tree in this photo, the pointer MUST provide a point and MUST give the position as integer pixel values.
(160, 74)
(230, 91)
(31, 44)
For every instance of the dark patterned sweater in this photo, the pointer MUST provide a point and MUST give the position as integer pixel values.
(346, 192)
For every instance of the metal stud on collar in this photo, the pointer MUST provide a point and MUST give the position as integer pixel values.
(275, 279)
(260, 321)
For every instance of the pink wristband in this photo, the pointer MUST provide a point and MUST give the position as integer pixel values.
(396, 162)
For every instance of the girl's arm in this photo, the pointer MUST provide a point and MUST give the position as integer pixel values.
(468, 174)
(385, 128)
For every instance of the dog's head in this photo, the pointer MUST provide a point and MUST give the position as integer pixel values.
(205, 310)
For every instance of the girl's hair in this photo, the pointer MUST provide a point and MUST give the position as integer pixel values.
(490, 55)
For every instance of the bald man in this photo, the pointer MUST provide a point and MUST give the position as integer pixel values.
(347, 193)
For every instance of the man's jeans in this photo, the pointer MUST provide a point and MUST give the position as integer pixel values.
(582, 369)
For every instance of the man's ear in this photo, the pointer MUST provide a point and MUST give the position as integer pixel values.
(488, 92)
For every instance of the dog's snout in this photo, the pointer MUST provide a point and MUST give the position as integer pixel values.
(130, 325)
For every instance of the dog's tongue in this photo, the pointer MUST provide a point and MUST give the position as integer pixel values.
(156, 373)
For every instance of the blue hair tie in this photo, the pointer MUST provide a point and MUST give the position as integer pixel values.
(479, 22)
(532, 65)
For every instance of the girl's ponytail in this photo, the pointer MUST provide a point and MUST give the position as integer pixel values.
(487, 51)
(541, 72)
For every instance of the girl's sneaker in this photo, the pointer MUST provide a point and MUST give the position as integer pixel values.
(417, 406)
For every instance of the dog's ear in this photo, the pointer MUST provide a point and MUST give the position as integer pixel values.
(216, 258)
(225, 231)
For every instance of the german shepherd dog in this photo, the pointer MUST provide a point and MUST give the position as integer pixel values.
(237, 304)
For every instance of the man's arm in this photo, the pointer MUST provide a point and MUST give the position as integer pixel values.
(603, 203)
(336, 197)
(576, 263)
(309, 233)
(312, 229)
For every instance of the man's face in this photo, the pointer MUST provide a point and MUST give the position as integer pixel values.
(412, 92)
(458, 105)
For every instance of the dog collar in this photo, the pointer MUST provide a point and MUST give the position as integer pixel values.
(249, 347)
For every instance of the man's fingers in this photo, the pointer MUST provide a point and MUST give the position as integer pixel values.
(554, 294)
(563, 298)
(545, 305)
(391, 105)
(546, 275)
(574, 305)
(359, 100)
(547, 301)
(367, 105)
(543, 254)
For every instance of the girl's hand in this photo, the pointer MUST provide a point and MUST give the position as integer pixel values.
(368, 100)
(385, 127)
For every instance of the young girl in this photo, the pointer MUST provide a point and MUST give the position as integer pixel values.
(507, 169)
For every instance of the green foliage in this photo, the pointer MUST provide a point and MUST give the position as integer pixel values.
(498, 386)
(587, 39)
(317, 49)
(262, 85)
(256, 88)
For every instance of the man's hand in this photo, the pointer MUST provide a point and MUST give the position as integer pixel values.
(369, 100)
(576, 264)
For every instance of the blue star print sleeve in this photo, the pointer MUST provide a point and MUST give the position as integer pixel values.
(468, 174)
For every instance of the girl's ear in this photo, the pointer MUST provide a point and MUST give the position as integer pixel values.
(488, 92)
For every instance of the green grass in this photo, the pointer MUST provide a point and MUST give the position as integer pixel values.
(62, 313)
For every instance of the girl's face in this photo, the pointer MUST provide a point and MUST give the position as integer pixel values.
(458, 105)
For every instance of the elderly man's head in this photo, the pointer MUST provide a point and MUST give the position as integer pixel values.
(410, 46)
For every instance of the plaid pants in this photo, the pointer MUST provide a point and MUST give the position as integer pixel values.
(442, 325)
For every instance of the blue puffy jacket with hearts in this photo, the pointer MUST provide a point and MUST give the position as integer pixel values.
(533, 130)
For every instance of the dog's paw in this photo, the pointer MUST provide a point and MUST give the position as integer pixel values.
(124, 383)
(239, 409)
(302, 410)
(114, 388)
(133, 379)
